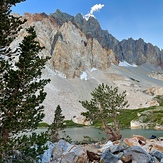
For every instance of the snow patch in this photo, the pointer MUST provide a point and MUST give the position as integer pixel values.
(126, 64)
(83, 76)
(93, 69)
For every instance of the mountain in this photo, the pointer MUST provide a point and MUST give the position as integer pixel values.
(83, 56)
(132, 51)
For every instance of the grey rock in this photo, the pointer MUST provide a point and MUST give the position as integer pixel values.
(134, 161)
(120, 155)
(138, 154)
(139, 52)
(161, 160)
(154, 159)
(108, 157)
(115, 148)
(157, 154)
(47, 156)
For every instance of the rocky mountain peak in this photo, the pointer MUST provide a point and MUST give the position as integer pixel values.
(61, 17)
(139, 52)
(130, 50)
(72, 51)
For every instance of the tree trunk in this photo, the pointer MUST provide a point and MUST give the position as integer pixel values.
(112, 134)
(5, 135)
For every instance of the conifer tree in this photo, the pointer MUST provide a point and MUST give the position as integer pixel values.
(104, 105)
(21, 89)
(57, 125)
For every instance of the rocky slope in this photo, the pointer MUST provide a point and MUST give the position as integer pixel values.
(83, 56)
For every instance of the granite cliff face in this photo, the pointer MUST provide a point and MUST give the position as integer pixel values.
(71, 51)
(132, 51)
(76, 44)
(139, 52)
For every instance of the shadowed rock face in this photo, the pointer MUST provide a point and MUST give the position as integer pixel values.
(139, 52)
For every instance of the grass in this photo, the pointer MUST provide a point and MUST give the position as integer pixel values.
(151, 114)
(127, 116)
(70, 123)
(154, 116)
(43, 124)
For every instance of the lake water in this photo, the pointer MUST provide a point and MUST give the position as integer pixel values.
(78, 133)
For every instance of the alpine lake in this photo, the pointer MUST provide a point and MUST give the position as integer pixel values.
(96, 134)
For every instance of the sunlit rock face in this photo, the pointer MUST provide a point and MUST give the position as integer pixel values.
(76, 44)
(75, 53)
(71, 51)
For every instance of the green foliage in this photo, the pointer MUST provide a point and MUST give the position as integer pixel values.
(57, 125)
(20, 103)
(43, 124)
(9, 25)
(21, 88)
(70, 123)
(147, 115)
(152, 116)
(159, 99)
(30, 148)
(105, 104)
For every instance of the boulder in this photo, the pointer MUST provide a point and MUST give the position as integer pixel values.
(116, 149)
(158, 127)
(81, 120)
(135, 124)
(126, 159)
(68, 152)
(138, 154)
(107, 156)
(46, 157)
(131, 142)
(157, 154)
(138, 150)
(154, 91)
(64, 152)
(157, 146)
(106, 146)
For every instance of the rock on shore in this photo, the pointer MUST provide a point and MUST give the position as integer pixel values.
(137, 149)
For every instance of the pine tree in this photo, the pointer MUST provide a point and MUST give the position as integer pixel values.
(104, 105)
(21, 89)
(57, 125)
(9, 25)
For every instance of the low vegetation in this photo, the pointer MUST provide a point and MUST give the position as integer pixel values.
(106, 103)
(128, 115)
(159, 99)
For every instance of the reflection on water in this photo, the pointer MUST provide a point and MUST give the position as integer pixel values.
(78, 133)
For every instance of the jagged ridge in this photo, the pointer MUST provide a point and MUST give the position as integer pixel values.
(133, 51)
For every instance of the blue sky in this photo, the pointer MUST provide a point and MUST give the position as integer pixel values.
(122, 18)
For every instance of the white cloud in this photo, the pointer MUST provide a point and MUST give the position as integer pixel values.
(94, 8)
